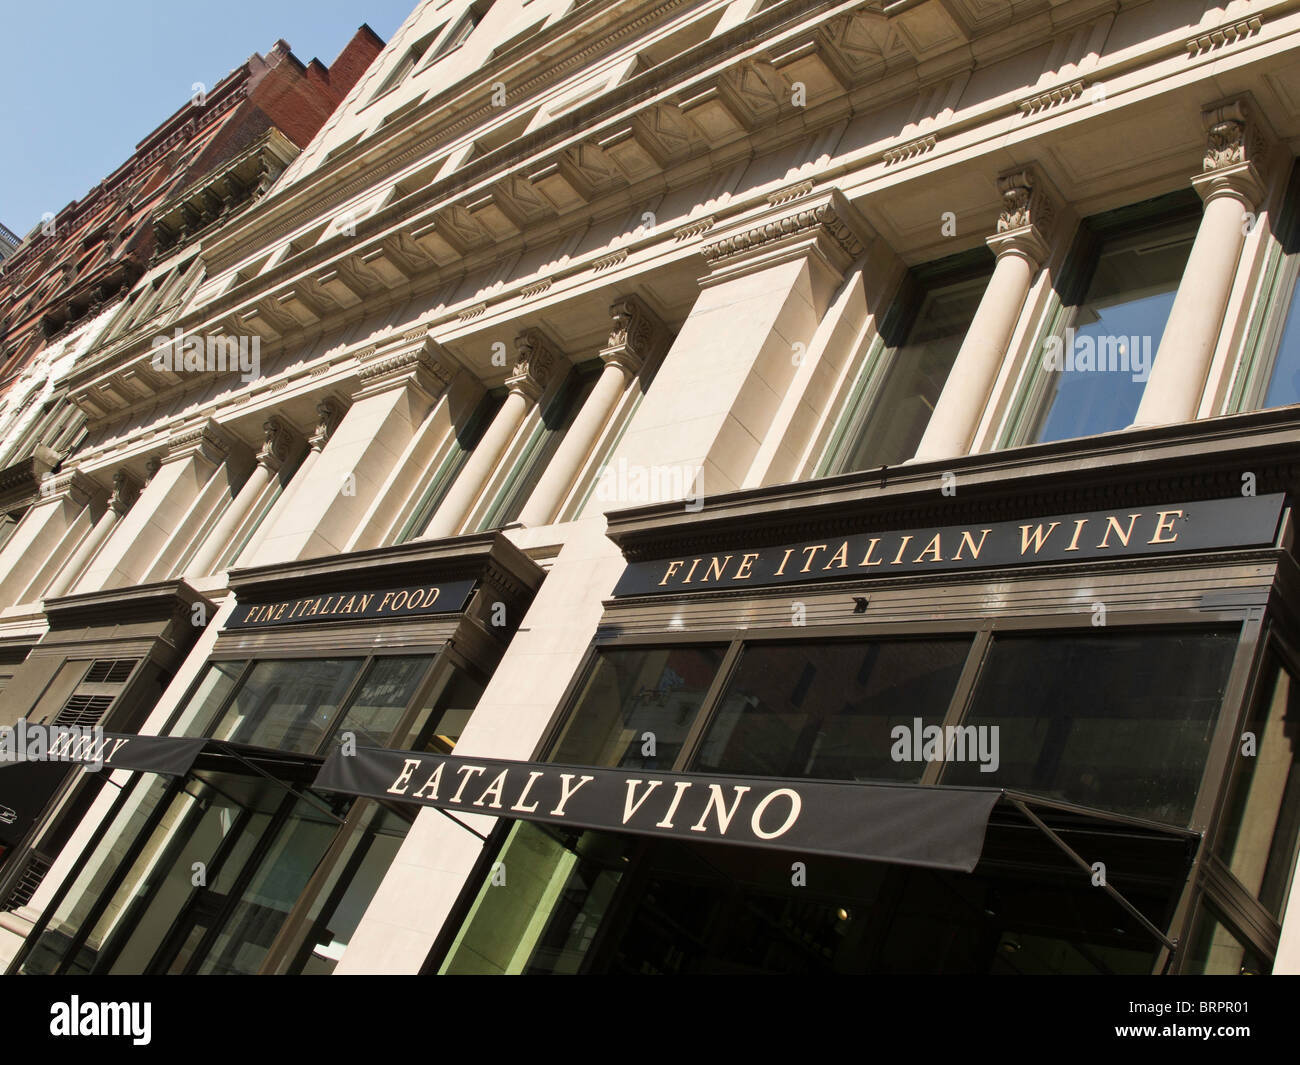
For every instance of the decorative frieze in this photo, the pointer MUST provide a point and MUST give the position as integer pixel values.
(910, 150)
(607, 261)
(415, 356)
(206, 440)
(826, 218)
(1044, 101)
(694, 229)
(1223, 36)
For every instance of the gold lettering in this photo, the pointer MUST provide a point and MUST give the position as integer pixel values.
(1165, 523)
(365, 600)
(786, 558)
(742, 571)
(249, 616)
(315, 606)
(841, 556)
(969, 541)
(1113, 526)
(383, 603)
(811, 553)
(1040, 537)
(901, 548)
(931, 548)
(279, 611)
(399, 600)
(351, 599)
(871, 547)
(1078, 528)
(714, 569)
(673, 567)
(431, 596)
(691, 572)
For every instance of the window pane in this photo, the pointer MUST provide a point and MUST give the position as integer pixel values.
(384, 694)
(1115, 722)
(1115, 332)
(1261, 820)
(288, 705)
(1284, 384)
(351, 886)
(916, 375)
(444, 717)
(827, 711)
(196, 718)
(629, 693)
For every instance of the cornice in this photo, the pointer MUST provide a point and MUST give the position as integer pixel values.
(399, 229)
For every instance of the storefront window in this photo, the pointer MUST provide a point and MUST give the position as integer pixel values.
(1118, 722)
(288, 705)
(637, 706)
(827, 710)
(377, 707)
(1261, 819)
(1117, 301)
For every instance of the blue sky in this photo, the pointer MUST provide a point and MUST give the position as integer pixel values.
(82, 81)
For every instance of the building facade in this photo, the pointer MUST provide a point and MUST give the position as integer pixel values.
(702, 485)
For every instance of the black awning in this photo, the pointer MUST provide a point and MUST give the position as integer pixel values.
(35, 759)
(937, 827)
(61, 746)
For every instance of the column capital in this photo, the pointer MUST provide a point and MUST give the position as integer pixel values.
(825, 227)
(1236, 148)
(329, 412)
(280, 439)
(638, 334)
(126, 490)
(1027, 220)
(412, 358)
(536, 358)
(207, 440)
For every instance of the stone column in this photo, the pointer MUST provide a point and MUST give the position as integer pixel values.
(39, 545)
(1232, 187)
(329, 412)
(535, 364)
(1021, 244)
(126, 489)
(279, 442)
(637, 333)
(400, 379)
(174, 481)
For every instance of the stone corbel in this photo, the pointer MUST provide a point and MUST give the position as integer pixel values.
(536, 359)
(1236, 150)
(1028, 220)
(73, 485)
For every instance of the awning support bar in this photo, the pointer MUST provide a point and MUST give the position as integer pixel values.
(1132, 910)
(458, 821)
(276, 780)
